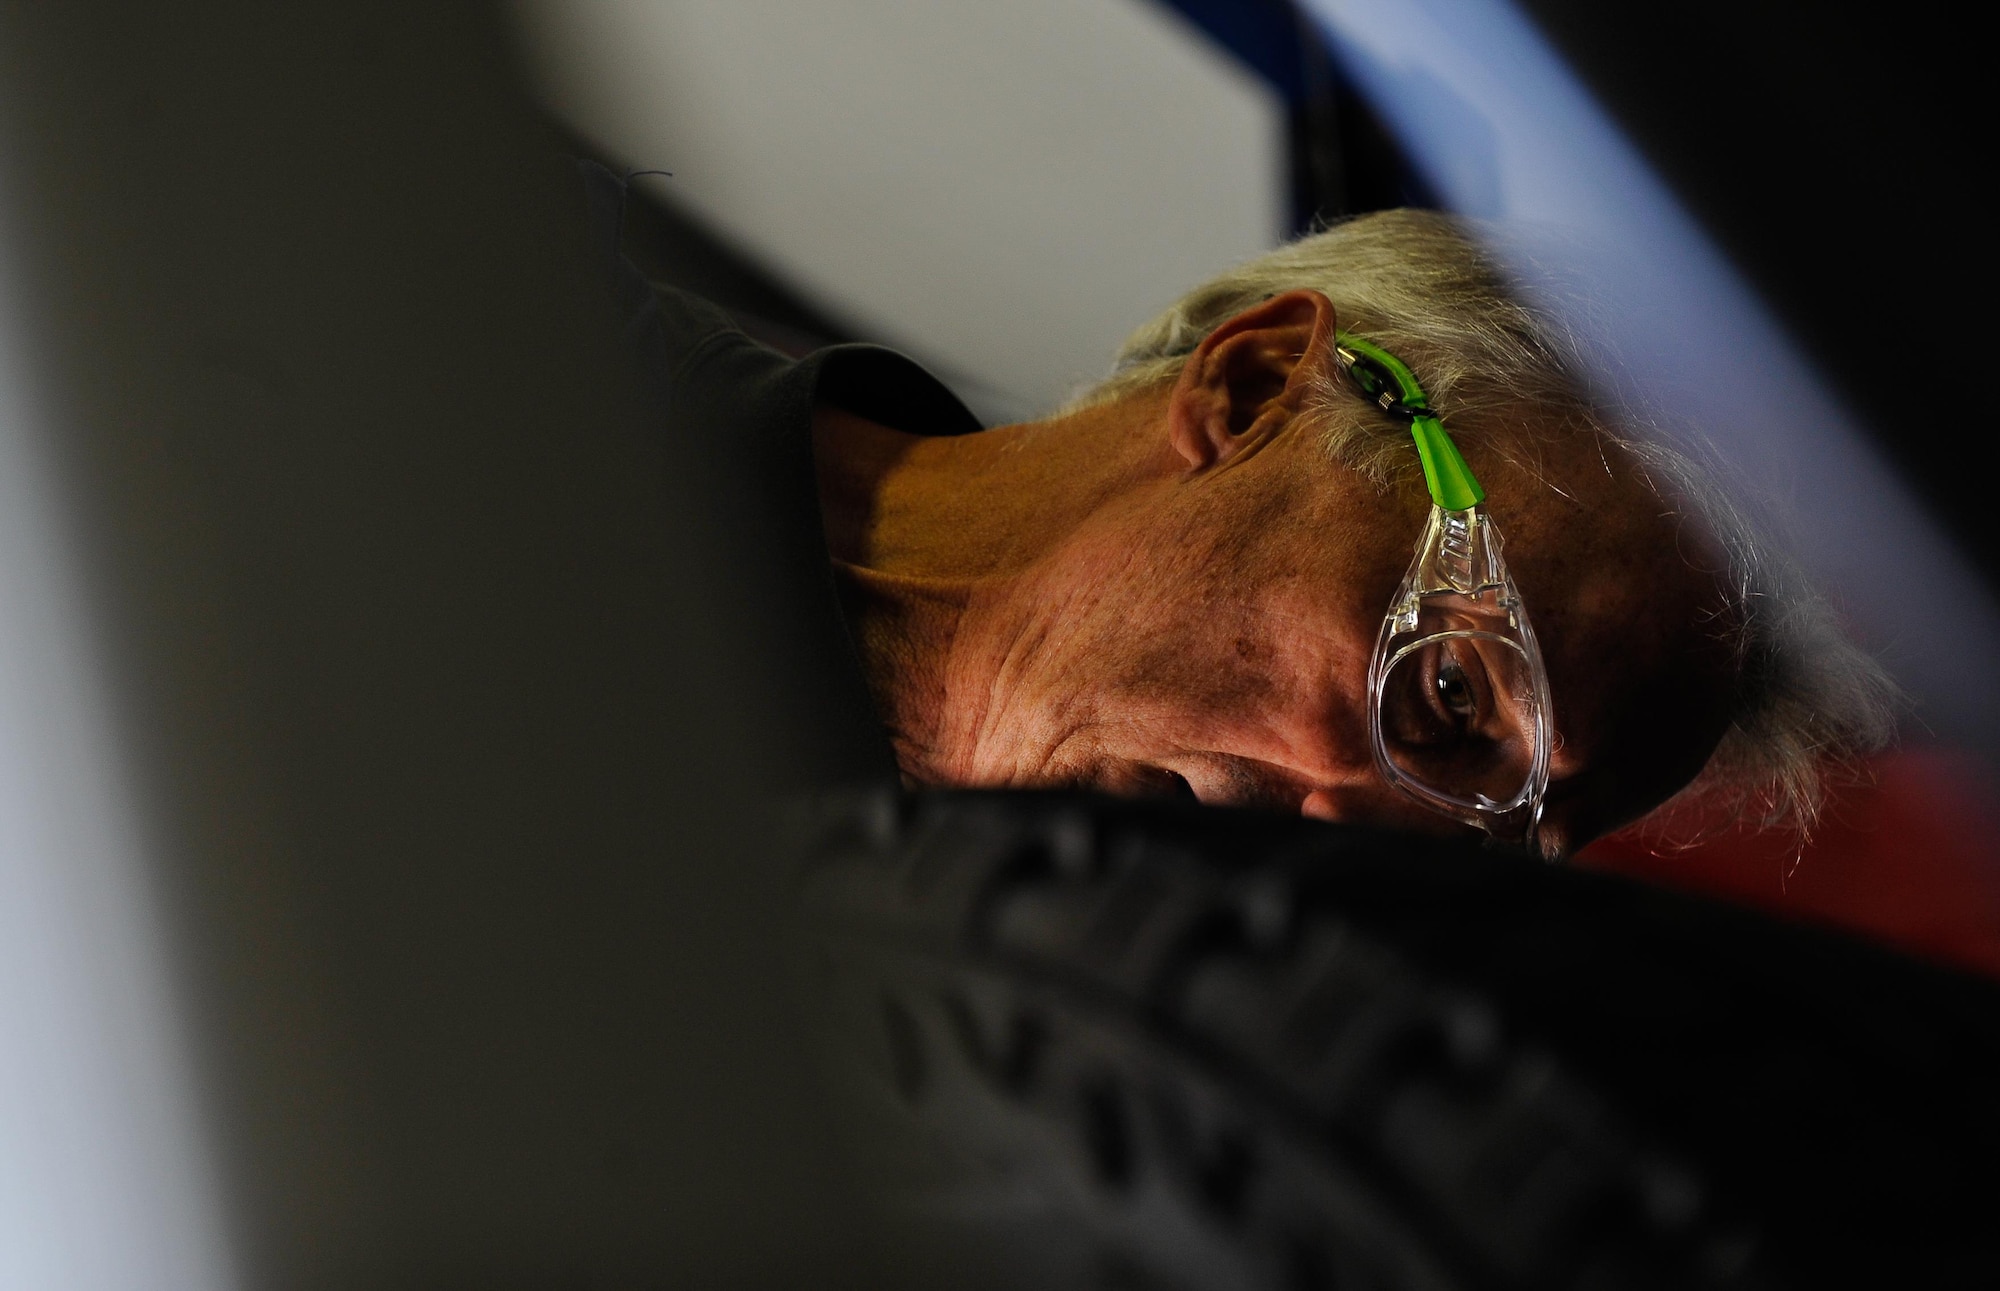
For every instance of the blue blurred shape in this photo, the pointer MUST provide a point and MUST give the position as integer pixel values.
(1504, 131)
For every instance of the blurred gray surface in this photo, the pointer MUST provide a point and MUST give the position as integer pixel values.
(399, 607)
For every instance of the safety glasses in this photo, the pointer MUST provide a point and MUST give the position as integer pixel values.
(1458, 699)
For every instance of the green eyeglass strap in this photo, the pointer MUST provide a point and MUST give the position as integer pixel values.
(1385, 379)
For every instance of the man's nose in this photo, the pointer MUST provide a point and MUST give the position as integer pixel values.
(1324, 804)
(1370, 802)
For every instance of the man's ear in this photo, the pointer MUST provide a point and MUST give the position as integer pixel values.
(1249, 376)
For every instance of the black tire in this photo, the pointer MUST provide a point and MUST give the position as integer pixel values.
(1083, 1042)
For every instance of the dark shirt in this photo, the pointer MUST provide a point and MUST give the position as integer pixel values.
(741, 413)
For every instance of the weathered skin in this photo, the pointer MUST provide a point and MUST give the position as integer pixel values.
(1179, 592)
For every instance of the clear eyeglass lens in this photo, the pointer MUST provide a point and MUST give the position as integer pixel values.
(1458, 717)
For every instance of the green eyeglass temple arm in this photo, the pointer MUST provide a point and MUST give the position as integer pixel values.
(1450, 480)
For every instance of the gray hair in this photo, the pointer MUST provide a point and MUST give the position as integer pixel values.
(1809, 703)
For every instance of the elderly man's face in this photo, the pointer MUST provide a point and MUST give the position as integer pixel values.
(1214, 640)
(1209, 633)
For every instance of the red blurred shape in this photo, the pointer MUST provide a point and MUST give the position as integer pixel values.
(1909, 857)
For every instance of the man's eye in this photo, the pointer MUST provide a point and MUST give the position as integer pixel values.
(1437, 697)
(1454, 691)
(1457, 686)
(1177, 786)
